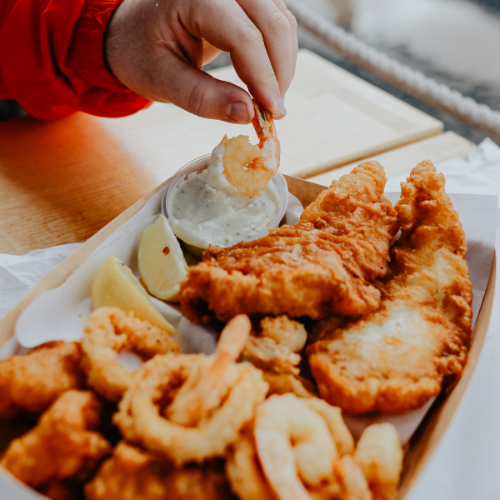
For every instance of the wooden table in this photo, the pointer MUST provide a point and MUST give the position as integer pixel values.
(62, 181)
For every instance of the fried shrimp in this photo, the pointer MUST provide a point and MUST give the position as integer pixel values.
(140, 417)
(244, 471)
(294, 446)
(32, 382)
(380, 457)
(246, 167)
(62, 445)
(351, 480)
(134, 474)
(108, 331)
(332, 415)
(202, 392)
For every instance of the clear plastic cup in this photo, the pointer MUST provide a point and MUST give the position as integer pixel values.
(201, 164)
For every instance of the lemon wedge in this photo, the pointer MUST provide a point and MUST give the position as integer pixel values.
(161, 261)
(116, 286)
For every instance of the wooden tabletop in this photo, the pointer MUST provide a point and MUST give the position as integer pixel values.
(62, 181)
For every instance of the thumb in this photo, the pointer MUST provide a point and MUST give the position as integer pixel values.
(199, 93)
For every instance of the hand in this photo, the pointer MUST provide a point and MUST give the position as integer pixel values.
(158, 47)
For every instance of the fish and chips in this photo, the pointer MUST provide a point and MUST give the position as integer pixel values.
(399, 357)
(386, 319)
(325, 264)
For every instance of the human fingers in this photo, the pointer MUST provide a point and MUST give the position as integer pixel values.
(293, 23)
(199, 93)
(278, 34)
(225, 25)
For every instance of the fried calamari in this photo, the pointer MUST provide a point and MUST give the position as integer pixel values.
(63, 445)
(398, 357)
(143, 416)
(110, 330)
(32, 382)
(322, 265)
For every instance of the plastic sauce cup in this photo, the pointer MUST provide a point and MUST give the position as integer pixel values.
(201, 164)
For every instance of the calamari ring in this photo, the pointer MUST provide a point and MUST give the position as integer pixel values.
(110, 330)
(140, 418)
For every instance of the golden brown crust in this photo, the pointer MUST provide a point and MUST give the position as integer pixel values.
(243, 469)
(110, 330)
(398, 357)
(32, 382)
(62, 445)
(140, 420)
(134, 474)
(322, 265)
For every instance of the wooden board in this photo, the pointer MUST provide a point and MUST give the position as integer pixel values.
(62, 181)
(333, 118)
(397, 161)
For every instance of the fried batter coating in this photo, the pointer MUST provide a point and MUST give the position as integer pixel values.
(380, 457)
(398, 357)
(244, 471)
(266, 354)
(140, 417)
(285, 331)
(283, 383)
(134, 474)
(62, 445)
(322, 265)
(110, 330)
(32, 382)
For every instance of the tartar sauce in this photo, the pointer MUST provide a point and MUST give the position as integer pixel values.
(205, 215)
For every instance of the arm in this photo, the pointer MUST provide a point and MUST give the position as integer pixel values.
(52, 55)
(51, 59)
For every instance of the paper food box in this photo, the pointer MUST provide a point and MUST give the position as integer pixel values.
(63, 297)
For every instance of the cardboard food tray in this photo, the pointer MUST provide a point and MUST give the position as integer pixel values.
(422, 444)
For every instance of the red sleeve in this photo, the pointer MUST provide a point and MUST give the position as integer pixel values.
(51, 59)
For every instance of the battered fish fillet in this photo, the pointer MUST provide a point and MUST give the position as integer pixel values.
(133, 474)
(62, 445)
(398, 357)
(32, 382)
(321, 265)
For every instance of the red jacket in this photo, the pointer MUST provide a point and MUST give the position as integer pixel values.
(51, 59)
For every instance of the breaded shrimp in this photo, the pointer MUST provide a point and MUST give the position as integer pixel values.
(32, 382)
(247, 168)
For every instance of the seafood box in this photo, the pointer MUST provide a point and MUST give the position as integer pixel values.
(124, 232)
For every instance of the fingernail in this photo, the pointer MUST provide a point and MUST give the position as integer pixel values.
(281, 106)
(237, 111)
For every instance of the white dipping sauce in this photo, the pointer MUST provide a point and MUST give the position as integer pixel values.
(202, 215)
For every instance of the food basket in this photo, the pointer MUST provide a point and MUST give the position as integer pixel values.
(420, 447)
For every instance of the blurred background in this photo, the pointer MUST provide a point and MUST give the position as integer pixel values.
(456, 42)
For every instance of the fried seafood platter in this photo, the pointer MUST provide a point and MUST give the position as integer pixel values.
(361, 307)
